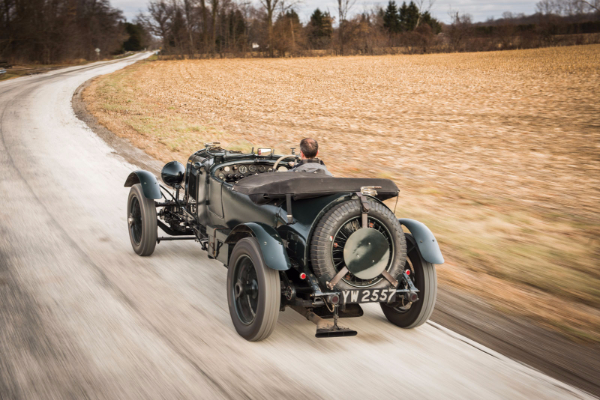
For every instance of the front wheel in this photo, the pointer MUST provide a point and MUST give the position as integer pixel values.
(253, 292)
(141, 221)
(423, 275)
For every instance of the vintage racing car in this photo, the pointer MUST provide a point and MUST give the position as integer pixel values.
(318, 244)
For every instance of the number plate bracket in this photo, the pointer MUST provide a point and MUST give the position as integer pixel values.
(368, 296)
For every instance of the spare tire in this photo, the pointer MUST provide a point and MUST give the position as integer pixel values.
(328, 252)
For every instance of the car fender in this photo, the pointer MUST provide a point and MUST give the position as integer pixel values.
(271, 244)
(149, 183)
(426, 242)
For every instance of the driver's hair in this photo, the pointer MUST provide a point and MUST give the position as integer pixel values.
(309, 147)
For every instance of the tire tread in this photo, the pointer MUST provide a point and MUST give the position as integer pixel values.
(319, 246)
(149, 224)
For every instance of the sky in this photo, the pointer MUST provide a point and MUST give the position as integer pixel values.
(479, 10)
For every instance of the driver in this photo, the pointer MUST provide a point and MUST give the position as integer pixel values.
(309, 150)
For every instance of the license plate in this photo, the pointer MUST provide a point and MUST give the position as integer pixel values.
(368, 296)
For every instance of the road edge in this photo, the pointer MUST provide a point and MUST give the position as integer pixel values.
(121, 146)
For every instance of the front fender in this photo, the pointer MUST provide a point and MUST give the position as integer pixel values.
(271, 245)
(428, 245)
(149, 183)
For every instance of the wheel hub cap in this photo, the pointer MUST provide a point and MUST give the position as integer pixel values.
(366, 253)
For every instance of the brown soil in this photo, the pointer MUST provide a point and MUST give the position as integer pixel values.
(496, 152)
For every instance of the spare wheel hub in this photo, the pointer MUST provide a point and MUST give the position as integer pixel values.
(366, 253)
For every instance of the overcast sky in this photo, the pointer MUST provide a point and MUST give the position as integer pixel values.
(479, 10)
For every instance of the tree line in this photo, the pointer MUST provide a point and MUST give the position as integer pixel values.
(209, 28)
(48, 31)
(555, 23)
(273, 27)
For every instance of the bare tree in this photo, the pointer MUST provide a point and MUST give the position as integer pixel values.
(424, 6)
(595, 6)
(544, 7)
(270, 6)
(214, 5)
(158, 22)
(459, 29)
(204, 13)
(567, 7)
(190, 18)
(344, 7)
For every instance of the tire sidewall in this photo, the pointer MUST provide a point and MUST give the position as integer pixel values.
(149, 225)
(377, 211)
(426, 282)
(257, 329)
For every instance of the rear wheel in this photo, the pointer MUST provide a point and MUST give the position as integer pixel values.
(253, 292)
(141, 221)
(332, 239)
(410, 315)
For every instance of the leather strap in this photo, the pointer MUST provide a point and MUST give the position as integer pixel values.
(288, 207)
(364, 206)
(338, 277)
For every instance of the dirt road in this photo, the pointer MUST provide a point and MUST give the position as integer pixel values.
(81, 316)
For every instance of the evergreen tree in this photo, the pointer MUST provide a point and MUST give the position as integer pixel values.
(320, 28)
(236, 26)
(402, 16)
(391, 18)
(435, 25)
(293, 15)
(409, 16)
(136, 37)
(316, 20)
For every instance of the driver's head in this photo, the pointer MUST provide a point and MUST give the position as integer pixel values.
(309, 148)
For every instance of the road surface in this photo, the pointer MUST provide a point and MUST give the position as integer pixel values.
(81, 316)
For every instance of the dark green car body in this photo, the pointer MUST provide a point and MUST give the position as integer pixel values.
(264, 223)
(230, 215)
(224, 215)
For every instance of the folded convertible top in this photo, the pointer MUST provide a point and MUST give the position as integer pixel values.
(303, 185)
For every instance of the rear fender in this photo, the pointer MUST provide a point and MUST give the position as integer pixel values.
(271, 245)
(149, 183)
(426, 242)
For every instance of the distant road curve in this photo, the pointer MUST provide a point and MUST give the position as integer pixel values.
(81, 316)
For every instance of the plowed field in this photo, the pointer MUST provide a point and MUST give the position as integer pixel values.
(499, 153)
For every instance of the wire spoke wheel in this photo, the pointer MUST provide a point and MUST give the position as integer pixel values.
(339, 243)
(253, 291)
(135, 220)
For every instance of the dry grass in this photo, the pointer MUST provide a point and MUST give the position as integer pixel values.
(499, 153)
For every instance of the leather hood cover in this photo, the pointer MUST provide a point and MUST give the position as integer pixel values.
(302, 185)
